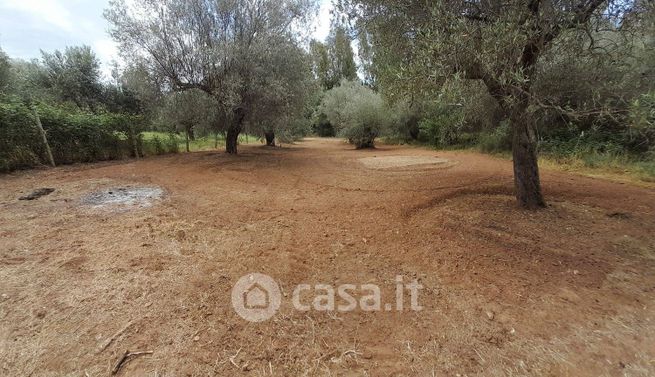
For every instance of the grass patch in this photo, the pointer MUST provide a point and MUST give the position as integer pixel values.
(621, 167)
(614, 167)
(200, 144)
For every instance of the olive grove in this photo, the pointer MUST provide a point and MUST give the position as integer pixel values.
(507, 46)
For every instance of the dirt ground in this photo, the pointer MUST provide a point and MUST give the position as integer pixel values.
(567, 291)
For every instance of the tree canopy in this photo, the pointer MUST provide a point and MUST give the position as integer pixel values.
(219, 47)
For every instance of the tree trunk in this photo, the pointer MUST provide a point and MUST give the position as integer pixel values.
(232, 140)
(188, 149)
(232, 137)
(135, 143)
(270, 138)
(526, 165)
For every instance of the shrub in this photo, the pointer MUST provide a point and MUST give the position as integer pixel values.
(322, 126)
(294, 130)
(641, 128)
(497, 140)
(404, 123)
(443, 127)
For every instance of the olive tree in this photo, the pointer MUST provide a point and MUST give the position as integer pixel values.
(284, 87)
(73, 75)
(216, 46)
(421, 44)
(357, 112)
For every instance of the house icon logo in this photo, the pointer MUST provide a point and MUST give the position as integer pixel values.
(256, 297)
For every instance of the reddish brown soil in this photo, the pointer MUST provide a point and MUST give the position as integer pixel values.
(567, 291)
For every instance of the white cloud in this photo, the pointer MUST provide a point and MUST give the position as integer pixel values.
(107, 51)
(50, 12)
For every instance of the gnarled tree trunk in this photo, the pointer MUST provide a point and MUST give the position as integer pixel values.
(186, 140)
(232, 136)
(515, 105)
(232, 140)
(270, 138)
(526, 164)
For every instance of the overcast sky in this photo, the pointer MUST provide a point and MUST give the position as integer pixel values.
(27, 26)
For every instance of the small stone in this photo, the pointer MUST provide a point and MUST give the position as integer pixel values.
(148, 305)
(197, 338)
(491, 316)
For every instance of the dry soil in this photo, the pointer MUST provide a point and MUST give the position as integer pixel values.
(566, 291)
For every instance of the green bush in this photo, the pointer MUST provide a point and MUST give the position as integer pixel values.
(404, 123)
(497, 140)
(443, 127)
(20, 145)
(641, 131)
(322, 126)
(295, 130)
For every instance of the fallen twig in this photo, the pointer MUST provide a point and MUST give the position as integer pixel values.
(234, 357)
(127, 356)
(113, 337)
(37, 194)
(350, 352)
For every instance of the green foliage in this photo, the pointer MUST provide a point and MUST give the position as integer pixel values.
(74, 136)
(321, 64)
(322, 126)
(73, 76)
(19, 139)
(333, 61)
(5, 68)
(342, 56)
(357, 113)
(295, 130)
(641, 130)
(248, 55)
(496, 140)
(441, 130)
(158, 143)
(404, 123)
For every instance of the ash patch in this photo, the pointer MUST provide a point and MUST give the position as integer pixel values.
(124, 198)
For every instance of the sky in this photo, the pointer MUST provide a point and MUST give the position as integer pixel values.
(28, 26)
